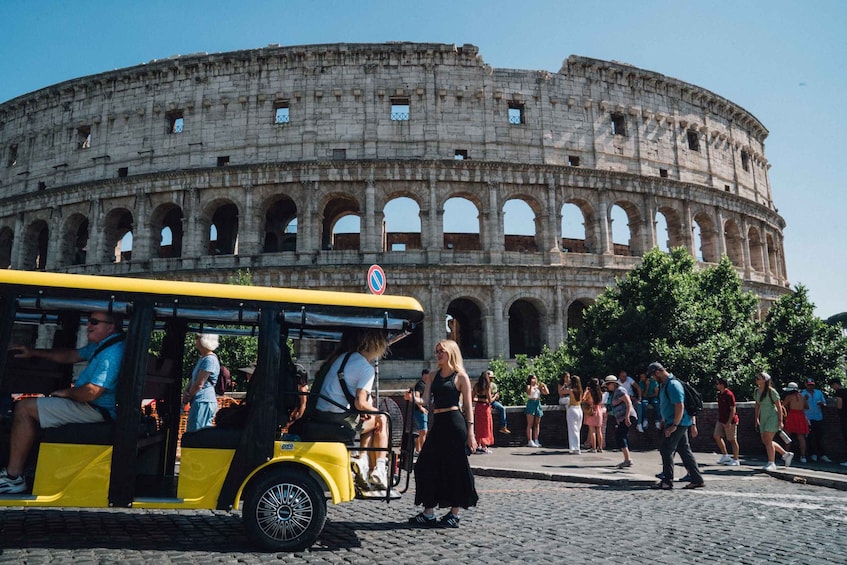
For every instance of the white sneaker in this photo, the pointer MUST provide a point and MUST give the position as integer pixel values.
(640, 428)
(826, 459)
(769, 467)
(360, 467)
(788, 458)
(645, 424)
(531, 443)
(537, 443)
(803, 459)
(814, 457)
(9, 485)
(378, 477)
(843, 464)
(733, 463)
(725, 458)
(658, 426)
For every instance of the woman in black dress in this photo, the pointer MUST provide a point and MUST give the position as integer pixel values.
(443, 476)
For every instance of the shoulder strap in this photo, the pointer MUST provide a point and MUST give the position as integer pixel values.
(108, 342)
(351, 400)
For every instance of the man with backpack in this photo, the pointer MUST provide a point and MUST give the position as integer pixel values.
(676, 422)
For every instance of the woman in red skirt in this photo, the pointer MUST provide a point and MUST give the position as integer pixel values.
(796, 422)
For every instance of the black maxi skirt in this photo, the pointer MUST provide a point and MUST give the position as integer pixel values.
(443, 475)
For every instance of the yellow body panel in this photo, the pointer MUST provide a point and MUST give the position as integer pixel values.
(69, 475)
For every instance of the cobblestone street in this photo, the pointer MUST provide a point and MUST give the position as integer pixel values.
(747, 520)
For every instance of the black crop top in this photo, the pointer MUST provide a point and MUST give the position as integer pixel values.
(444, 391)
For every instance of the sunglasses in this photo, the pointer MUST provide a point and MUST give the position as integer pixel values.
(96, 322)
(439, 351)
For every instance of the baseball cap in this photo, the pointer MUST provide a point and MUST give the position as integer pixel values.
(653, 367)
(810, 381)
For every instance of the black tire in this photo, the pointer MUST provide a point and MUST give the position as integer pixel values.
(284, 511)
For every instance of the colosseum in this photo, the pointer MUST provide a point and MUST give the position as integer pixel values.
(308, 164)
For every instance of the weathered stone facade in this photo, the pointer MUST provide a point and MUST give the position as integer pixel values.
(248, 159)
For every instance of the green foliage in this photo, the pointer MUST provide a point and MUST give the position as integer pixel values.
(547, 366)
(698, 323)
(797, 344)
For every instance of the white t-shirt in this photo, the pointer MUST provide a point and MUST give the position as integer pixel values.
(358, 374)
(628, 384)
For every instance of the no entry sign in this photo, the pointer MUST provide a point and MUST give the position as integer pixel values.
(376, 279)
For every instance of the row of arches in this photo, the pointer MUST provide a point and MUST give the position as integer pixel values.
(405, 222)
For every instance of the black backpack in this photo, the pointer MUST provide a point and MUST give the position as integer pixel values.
(693, 400)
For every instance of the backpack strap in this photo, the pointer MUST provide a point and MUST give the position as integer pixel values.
(108, 342)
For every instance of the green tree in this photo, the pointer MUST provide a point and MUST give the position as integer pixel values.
(699, 323)
(797, 344)
(547, 366)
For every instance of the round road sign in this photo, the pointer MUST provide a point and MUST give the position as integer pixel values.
(376, 279)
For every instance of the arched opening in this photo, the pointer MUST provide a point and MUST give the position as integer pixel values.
(756, 250)
(168, 222)
(519, 227)
(35, 246)
(624, 220)
(341, 225)
(223, 233)
(461, 225)
(772, 256)
(7, 238)
(662, 237)
(281, 227)
(524, 329)
(117, 232)
(464, 326)
(74, 242)
(734, 243)
(668, 229)
(577, 232)
(705, 238)
(401, 228)
(576, 313)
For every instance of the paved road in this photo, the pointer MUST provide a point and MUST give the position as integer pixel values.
(752, 519)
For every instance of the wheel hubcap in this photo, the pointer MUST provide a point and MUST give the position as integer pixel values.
(284, 512)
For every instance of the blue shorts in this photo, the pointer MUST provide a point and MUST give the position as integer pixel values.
(421, 421)
(533, 407)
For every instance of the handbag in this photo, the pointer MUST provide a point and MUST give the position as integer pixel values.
(587, 408)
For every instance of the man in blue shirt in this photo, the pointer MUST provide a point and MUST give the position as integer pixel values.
(91, 399)
(675, 422)
(814, 413)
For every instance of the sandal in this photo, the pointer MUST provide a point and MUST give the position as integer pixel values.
(694, 485)
(662, 485)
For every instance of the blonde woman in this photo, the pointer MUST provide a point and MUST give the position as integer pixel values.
(443, 476)
(200, 390)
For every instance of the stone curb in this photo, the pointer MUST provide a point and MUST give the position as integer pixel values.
(562, 478)
(808, 479)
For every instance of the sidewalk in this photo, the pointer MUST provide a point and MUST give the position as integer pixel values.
(556, 464)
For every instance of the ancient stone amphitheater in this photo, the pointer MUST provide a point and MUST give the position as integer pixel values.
(196, 166)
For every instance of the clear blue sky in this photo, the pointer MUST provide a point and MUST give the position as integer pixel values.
(784, 61)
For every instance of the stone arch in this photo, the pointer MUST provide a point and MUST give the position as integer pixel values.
(588, 242)
(7, 238)
(576, 313)
(734, 242)
(525, 323)
(116, 225)
(167, 230)
(457, 223)
(401, 224)
(34, 252)
(74, 242)
(673, 236)
(633, 245)
(705, 232)
(337, 207)
(773, 255)
(464, 324)
(517, 235)
(220, 223)
(756, 250)
(280, 232)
